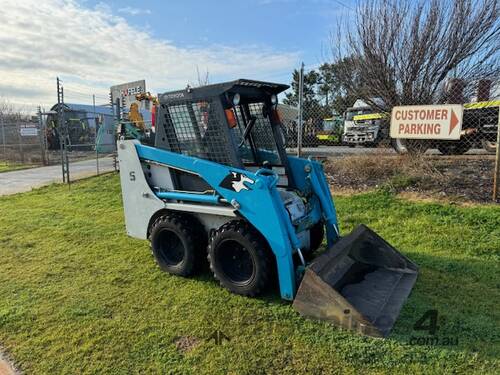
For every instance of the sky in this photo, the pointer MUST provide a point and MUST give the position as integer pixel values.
(92, 45)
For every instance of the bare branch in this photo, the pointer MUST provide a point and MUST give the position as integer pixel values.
(405, 51)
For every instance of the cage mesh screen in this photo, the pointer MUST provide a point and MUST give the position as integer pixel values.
(194, 129)
(261, 134)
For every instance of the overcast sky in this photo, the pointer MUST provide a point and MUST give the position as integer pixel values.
(91, 45)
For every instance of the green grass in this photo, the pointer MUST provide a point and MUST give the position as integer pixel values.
(8, 167)
(78, 296)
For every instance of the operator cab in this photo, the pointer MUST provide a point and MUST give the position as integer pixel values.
(234, 123)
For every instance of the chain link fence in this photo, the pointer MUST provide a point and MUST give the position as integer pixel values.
(81, 138)
(331, 125)
(354, 122)
(22, 142)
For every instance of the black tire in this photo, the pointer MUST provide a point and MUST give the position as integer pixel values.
(489, 146)
(239, 258)
(454, 147)
(176, 244)
(409, 146)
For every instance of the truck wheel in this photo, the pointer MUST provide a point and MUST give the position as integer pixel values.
(453, 147)
(174, 242)
(239, 258)
(409, 146)
(489, 146)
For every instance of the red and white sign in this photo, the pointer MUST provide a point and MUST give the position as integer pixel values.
(441, 121)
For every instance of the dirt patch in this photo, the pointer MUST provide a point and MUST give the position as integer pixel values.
(185, 344)
(6, 368)
(457, 178)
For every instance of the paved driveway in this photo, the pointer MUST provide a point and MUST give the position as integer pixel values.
(27, 179)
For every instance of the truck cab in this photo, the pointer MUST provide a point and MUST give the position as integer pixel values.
(363, 125)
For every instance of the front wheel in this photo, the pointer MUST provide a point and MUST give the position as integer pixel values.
(489, 146)
(409, 146)
(239, 258)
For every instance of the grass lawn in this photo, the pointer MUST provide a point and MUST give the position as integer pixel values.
(78, 296)
(8, 167)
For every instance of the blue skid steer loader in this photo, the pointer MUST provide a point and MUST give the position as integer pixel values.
(218, 184)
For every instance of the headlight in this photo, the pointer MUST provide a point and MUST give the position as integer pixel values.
(236, 99)
(274, 99)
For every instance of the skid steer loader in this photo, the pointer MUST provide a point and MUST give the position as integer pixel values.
(219, 184)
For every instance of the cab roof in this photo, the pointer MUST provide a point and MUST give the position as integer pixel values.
(252, 87)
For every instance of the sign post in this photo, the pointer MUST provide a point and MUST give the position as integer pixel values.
(442, 121)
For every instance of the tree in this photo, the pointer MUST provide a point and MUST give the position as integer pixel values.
(203, 80)
(313, 110)
(406, 50)
(309, 90)
(336, 82)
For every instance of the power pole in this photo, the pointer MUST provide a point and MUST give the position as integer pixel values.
(301, 112)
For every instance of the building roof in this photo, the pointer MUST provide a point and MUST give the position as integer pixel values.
(99, 109)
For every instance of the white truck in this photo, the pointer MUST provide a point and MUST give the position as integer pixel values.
(363, 125)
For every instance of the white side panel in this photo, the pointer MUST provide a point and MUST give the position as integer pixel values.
(139, 202)
(159, 176)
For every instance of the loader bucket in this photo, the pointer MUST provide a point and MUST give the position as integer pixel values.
(360, 284)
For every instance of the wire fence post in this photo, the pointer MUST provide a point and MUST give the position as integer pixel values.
(301, 100)
(496, 178)
(42, 137)
(60, 116)
(118, 120)
(95, 138)
(20, 140)
(3, 136)
(62, 132)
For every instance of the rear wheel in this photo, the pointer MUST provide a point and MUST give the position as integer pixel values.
(454, 147)
(239, 258)
(174, 242)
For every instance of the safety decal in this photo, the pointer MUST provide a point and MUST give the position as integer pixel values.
(236, 181)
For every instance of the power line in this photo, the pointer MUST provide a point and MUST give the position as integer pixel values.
(86, 93)
(342, 4)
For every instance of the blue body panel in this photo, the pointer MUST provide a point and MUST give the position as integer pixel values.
(260, 203)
